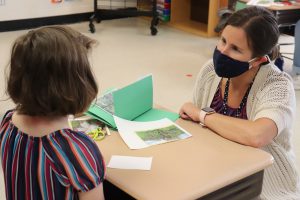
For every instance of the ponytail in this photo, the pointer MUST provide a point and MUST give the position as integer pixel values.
(275, 52)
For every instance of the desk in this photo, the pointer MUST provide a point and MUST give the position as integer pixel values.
(187, 169)
(286, 15)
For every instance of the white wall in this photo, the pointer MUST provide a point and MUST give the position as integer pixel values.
(28, 9)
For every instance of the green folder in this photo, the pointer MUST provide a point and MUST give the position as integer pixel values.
(133, 102)
(100, 114)
(240, 5)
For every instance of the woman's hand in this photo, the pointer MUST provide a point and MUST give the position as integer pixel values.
(189, 111)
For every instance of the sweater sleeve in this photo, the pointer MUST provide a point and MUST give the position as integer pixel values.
(276, 101)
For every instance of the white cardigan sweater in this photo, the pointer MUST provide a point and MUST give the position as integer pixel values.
(272, 96)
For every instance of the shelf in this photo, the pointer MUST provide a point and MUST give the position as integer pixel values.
(181, 16)
(191, 27)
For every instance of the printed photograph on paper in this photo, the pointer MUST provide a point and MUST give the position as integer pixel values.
(86, 125)
(161, 135)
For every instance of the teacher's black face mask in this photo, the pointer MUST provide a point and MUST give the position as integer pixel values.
(228, 67)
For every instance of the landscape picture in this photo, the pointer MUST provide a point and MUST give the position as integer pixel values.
(162, 135)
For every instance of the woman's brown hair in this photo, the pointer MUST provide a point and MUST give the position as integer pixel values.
(261, 28)
(50, 74)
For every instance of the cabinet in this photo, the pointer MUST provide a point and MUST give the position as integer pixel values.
(196, 16)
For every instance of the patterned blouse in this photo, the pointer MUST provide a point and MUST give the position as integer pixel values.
(55, 166)
(217, 105)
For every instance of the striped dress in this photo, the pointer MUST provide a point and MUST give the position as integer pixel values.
(55, 166)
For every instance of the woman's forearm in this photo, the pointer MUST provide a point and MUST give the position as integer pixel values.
(252, 133)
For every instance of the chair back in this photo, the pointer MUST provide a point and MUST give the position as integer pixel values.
(296, 62)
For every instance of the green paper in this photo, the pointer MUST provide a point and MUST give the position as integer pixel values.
(133, 102)
(134, 99)
(100, 114)
(240, 5)
(156, 114)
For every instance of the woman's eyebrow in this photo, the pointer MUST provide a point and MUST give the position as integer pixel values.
(232, 45)
(237, 47)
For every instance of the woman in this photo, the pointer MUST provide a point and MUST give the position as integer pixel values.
(242, 96)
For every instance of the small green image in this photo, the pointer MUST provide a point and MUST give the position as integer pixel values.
(86, 125)
(92, 127)
(157, 136)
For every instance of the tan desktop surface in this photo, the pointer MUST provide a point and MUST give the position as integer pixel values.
(185, 169)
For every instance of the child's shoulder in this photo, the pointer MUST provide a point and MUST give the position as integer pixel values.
(69, 143)
(8, 114)
(6, 117)
(76, 158)
(73, 137)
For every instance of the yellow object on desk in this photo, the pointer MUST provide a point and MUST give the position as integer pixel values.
(97, 134)
(92, 127)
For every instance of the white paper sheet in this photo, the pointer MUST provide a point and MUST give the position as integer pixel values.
(265, 3)
(139, 135)
(129, 162)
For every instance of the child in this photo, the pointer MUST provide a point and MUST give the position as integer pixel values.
(49, 79)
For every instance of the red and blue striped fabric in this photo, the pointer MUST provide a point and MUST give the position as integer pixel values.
(55, 166)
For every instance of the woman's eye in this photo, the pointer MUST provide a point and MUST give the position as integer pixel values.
(236, 49)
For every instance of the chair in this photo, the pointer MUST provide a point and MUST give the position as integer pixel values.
(296, 60)
(224, 14)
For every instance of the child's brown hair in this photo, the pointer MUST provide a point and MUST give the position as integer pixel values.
(50, 74)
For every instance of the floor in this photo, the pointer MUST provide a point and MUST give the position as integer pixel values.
(126, 47)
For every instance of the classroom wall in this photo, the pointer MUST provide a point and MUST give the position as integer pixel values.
(28, 9)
